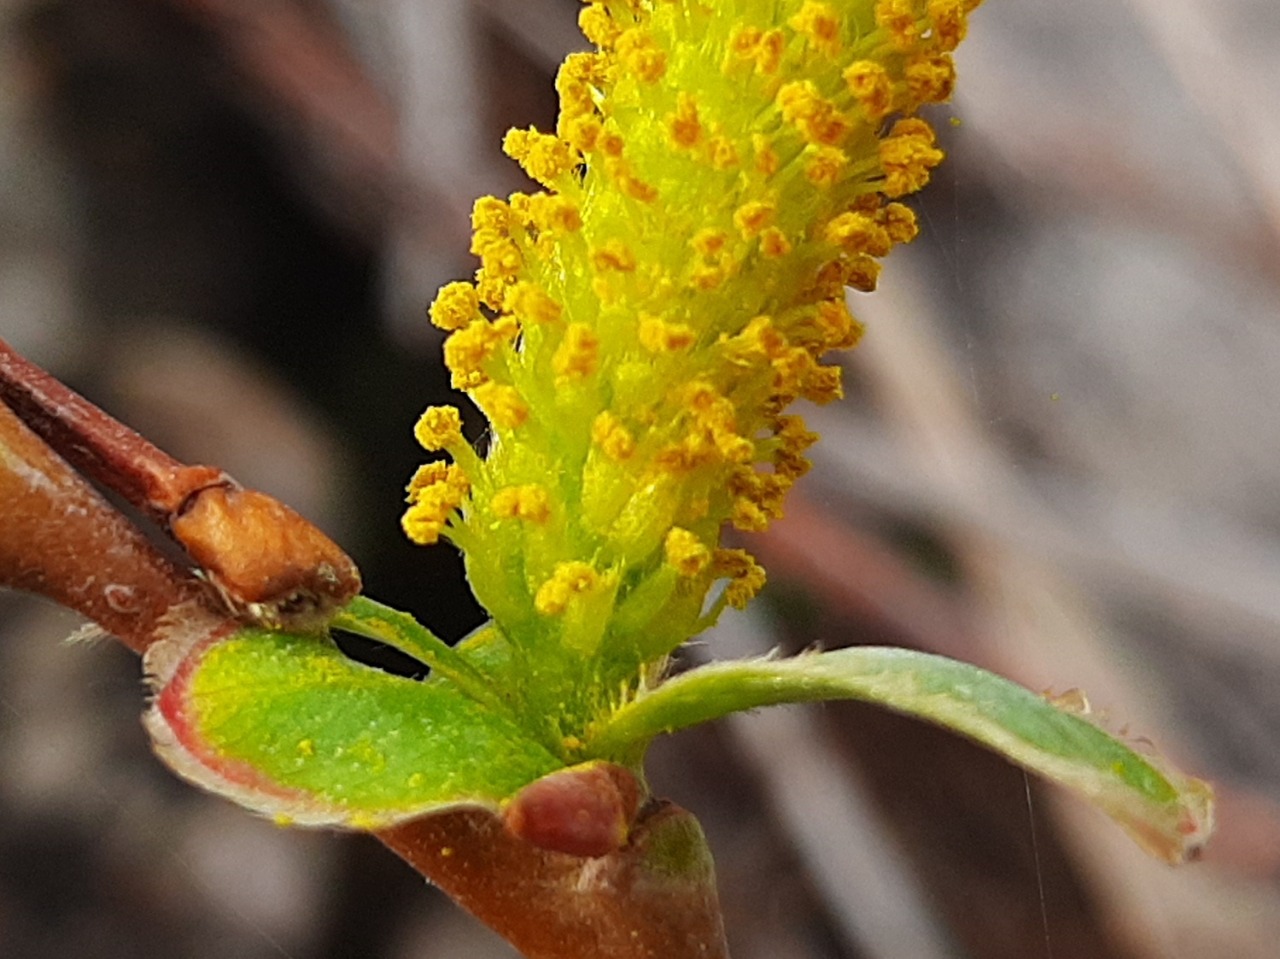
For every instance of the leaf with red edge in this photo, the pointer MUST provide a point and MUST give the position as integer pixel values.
(288, 726)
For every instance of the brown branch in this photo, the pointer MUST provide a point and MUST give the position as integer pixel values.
(61, 539)
(269, 565)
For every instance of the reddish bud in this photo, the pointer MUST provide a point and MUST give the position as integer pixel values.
(584, 810)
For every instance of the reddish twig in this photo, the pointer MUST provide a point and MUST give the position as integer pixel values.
(269, 564)
(64, 541)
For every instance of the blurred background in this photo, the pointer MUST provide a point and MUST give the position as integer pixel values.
(1059, 459)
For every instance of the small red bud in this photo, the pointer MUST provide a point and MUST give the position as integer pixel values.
(584, 810)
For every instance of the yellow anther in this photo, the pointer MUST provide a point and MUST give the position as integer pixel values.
(870, 84)
(709, 241)
(687, 554)
(530, 304)
(858, 233)
(455, 306)
(931, 79)
(503, 404)
(613, 256)
(569, 580)
(774, 243)
(898, 19)
(598, 26)
(435, 493)
(825, 166)
(490, 213)
(614, 439)
(753, 216)
(544, 156)
(821, 24)
(950, 22)
(658, 336)
(766, 157)
(553, 213)
(819, 121)
(640, 56)
(578, 355)
(438, 428)
(722, 153)
(684, 125)
(528, 502)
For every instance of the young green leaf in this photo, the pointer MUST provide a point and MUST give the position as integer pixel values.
(1169, 814)
(290, 727)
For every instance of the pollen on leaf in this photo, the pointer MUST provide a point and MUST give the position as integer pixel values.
(502, 404)
(821, 24)
(578, 355)
(760, 336)
(794, 437)
(455, 306)
(528, 502)
(438, 428)
(686, 553)
(764, 47)
(712, 273)
(577, 77)
(568, 581)
(435, 473)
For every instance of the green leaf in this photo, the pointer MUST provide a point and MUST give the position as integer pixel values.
(288, 726)
(1167, 813)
